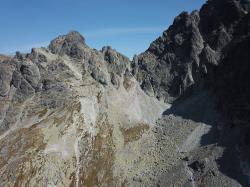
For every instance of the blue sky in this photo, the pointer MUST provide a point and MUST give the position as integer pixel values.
(127, 25)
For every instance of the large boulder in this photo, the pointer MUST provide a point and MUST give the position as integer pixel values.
(31, 73)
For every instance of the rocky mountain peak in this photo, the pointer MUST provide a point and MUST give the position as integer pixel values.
(69, 44)
(112, 56)
(176, 115)
(190, 47)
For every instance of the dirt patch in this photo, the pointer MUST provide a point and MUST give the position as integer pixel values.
(59, 120)
(75, 107)
(127, 83)
(99, 170)
(20, 147)
(42, 113)
(134, 133)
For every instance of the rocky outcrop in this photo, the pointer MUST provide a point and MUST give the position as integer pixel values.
(69, 44)
(192, 45)
(169, 64)
(116, 64)
(6, 71)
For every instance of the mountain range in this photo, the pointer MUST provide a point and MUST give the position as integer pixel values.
(178, 114)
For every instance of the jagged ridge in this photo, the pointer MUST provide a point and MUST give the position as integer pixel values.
(84, 106)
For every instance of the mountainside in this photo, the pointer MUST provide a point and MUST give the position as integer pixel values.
(176, 115)
(191, 48)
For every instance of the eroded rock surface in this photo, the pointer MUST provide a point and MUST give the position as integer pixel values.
(190, 48)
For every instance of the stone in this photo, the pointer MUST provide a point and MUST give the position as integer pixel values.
(99, 76)
(5, 79)
(114, 79)
(69, 44)
(17, 79)
(31, 73)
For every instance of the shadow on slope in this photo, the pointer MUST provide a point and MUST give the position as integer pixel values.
(199, 106)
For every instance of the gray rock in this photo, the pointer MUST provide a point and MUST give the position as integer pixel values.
(17, 79)
(148, 88)
(114, 79)
(31, 73)
(69, 44)
(37, 57)
(25, 89)
(190, 48)
(5, 78)
(99, 76)
(19, 56)
(116, 62)
(47, 84)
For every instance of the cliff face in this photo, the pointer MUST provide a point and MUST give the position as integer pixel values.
(192, 46)
(71, 115)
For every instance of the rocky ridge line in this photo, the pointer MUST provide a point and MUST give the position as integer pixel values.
(86, 107)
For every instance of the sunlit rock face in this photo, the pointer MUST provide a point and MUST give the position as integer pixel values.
(71, 115)
(66, 122)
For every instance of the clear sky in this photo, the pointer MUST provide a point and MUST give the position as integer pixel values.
(127, 25)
